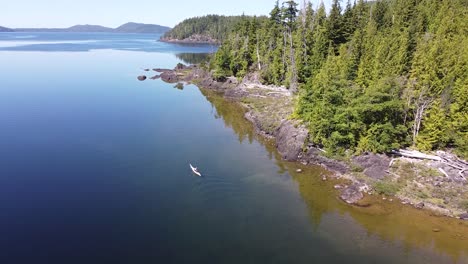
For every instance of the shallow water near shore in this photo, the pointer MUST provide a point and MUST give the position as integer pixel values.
(94, 169)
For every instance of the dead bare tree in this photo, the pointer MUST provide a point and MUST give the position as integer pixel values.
(259, 62)
(422, 103)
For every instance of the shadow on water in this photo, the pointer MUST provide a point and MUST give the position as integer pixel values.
(382, 220)
(193, 58)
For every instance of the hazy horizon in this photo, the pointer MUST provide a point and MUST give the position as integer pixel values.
(85, 24)
(108, 13)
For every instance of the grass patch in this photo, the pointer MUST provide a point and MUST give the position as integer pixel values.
(463, 204)
(356, 168)
(421, 194)
(387, 187)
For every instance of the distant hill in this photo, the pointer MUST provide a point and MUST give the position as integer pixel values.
(76, 28)
(88, 28)
(132, 27)
(125, 28)
(4, 29)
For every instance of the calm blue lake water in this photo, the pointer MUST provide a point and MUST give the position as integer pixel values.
(94, 169)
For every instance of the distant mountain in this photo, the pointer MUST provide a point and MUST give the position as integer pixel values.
(125, 28)
(4, 29)
(132, 27)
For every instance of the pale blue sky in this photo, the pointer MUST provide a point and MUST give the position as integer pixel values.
(112, 13)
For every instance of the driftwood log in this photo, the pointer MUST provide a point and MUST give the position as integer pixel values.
(443, 157)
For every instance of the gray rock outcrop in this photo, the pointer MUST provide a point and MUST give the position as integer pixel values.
(374, 165)
(290, 138)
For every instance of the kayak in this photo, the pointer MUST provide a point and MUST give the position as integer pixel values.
(195, 170)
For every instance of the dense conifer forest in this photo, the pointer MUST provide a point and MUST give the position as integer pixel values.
(213, 26)
(370, 76)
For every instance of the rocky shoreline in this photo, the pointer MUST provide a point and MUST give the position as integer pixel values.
(427, 184)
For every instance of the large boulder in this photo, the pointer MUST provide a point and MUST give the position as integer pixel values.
(169, 77)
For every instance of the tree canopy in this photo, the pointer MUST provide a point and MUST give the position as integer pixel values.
(213, 26)
(372, 76)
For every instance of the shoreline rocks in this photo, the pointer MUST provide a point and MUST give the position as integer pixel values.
(193, 39)
(464, 216)
(269, 109)
(169, 77)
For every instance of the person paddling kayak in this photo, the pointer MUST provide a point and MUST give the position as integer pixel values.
(195, 170)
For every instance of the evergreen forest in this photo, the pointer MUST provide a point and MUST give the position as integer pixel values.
(213, 26)
(369, 76)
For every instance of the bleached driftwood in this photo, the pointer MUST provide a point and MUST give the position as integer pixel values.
(461, 173)
(442, 157)
(443, 172)
(462, 161)
(415, 154)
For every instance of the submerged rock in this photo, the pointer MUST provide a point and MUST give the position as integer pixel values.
(352, 194)
(161, 70)
(179, 86)
(141, 77)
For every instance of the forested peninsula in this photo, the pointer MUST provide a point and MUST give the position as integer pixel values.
(376, 92)
(205, 29)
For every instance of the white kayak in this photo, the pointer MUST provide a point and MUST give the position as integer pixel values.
(195, 170)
